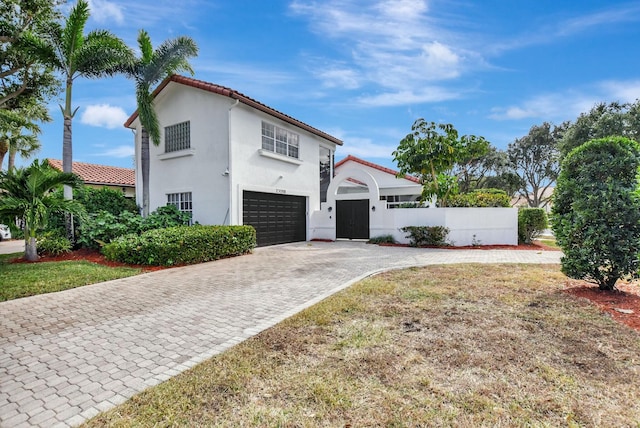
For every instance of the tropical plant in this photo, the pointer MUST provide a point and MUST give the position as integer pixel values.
(596, 211)
(431, 151)
(150, 68)
(97, 54)
(27, 195)
(19, 130)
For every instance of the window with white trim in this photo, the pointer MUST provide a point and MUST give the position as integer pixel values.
(279, 140)
(183, 201)
(177, 137)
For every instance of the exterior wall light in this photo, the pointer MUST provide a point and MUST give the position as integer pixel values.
(373, 208)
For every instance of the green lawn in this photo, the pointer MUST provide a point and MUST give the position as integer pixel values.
(28, 279)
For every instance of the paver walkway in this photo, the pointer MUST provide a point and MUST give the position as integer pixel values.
(65, 357)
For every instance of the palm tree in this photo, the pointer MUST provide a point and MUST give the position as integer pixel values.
(153, 66)
(97, 54)
(14, 123)
(27, 194)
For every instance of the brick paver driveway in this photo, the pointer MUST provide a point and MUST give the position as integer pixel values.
(66, 356)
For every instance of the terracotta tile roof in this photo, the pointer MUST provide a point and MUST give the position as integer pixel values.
(232, 93)
(100, 174)
(375, 166)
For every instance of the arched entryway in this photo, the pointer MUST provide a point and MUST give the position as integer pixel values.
(352, 193)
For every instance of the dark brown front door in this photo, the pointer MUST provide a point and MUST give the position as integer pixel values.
(352, 219)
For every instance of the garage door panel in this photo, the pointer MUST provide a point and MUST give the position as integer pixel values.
(277, 218)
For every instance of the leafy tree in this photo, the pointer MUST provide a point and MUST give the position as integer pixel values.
(603, 120)
(24, 50)
(596, 211)
(534, 159)
(431, 152)
(147, 70)
(473, 163)
(27, 195)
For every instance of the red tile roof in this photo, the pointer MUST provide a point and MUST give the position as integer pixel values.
(375, 166)
(100, 174)
(233, 94)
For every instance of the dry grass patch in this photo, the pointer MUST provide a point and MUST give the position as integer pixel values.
(468, 345)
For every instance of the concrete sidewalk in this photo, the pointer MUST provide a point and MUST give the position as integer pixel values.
(65, 357)
(13, 246)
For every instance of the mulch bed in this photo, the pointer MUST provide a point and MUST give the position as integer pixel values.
(615, 303)
(93, 256)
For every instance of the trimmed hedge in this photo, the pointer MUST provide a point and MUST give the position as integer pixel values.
(181, 245)
(427, 235)
(531, 223)
(481, 198)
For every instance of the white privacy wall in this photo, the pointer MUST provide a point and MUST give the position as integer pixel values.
(468, 226)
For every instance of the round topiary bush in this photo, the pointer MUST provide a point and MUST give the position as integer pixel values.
(596, 211)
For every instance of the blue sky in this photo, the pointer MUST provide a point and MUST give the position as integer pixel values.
(363, 71)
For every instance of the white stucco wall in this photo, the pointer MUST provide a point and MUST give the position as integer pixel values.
(388, 184)
(225, 136)
(468, 226)
(198, 170)
(257, 170)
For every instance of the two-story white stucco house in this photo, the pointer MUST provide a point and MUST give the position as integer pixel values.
(228, 159)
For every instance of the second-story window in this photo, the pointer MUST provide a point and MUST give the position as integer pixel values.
(279, 140)
(177, 137)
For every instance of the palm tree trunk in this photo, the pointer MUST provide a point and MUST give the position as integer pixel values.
(144, 166)
(67, 156)
(30, 249)
(11, 163)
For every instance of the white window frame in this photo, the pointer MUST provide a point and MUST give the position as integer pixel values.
(280, 141)
(183, 201)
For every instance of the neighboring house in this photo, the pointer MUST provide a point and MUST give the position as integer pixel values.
(226, 158)
(98, 176)
(393, 189)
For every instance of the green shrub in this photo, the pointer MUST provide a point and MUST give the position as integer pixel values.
(427, 235)
(531, 223)
(596, 211)
(181, 245)
(52, 244)
(481, 198)
(105, 199)
(382, 239)
(103, 227)
(167, 216)
(95, 201)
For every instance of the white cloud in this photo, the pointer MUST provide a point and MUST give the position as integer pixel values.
(104, 116)
(105, 12)
(365, 148)
(568, 104)
(425, 95)
(399, 45)
(119, 152)
(340, 77)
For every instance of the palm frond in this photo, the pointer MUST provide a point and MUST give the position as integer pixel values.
(73, 32)
(146, 48)
(171, 57)
(147, 114)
